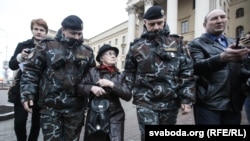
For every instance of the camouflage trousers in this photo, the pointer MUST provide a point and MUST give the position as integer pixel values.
(62, 127)
(146, 116)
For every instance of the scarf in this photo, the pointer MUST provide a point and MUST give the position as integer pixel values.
(110, 69)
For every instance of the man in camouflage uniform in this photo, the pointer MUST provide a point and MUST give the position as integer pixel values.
(160, 73)
(54, 70)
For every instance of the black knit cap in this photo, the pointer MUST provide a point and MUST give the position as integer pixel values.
(72, 22)
(105, 48)
(154, 12)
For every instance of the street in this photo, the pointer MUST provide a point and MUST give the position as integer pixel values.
(131, 125)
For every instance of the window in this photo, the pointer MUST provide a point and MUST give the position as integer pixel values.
(184, 27)
(239, 12)
(224, 7)
(239, 31)
(123, 39)
(123, 64)
(116, 41)
(123, 50)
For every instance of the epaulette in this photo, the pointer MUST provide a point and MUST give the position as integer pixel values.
(47, 39)
(135, 41)
(175, 35)
(88, 47)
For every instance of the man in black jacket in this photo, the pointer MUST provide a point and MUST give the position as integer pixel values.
(217, 64)
(56, 67)
(39, 29)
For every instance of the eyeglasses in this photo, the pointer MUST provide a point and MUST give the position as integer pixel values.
(110, 54)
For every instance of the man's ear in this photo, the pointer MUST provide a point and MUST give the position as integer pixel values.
(63, 30)
(204, 24)
(165, 21)
(165, 24)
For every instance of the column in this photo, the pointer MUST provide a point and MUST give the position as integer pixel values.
(213, 4)
(147, 4)
(172, 11)
(140, 24)
(131, 26)
(201, 9)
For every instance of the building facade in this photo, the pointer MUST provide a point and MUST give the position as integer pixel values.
(184, 17)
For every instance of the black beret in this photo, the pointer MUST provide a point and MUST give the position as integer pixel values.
(104, 48)
(72, 22)
(154, 12)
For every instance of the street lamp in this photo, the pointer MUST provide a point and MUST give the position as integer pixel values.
(5, 62)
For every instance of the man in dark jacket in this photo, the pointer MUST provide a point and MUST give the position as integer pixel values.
(39, 29)
(160, 73)
(217, 64)
(245, 41)
(56, 67)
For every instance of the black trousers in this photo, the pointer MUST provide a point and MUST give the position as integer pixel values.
(204, 116)
(20, 121)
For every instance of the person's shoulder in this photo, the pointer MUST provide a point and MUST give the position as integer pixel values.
(26, 42)
(87, 47)
(194, 42)
(201, 41)
(47, 39)
(197, 39)
(176, 36)
(135, 41)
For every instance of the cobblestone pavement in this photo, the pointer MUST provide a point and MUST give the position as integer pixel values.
(131, 125)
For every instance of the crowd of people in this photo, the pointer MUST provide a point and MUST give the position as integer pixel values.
(60, 83)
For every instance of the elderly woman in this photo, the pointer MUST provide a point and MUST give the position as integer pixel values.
(105, 85)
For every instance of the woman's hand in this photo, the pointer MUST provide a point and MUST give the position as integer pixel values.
(105, 83)
(97, 91)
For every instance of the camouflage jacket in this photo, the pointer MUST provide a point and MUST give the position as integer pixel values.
(160, 71)
(54, 70)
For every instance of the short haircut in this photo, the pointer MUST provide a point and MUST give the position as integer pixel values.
(206, 16)
(40, 22)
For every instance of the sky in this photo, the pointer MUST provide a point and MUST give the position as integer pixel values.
(16, 15)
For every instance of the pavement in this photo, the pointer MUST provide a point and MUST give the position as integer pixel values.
(131, 126)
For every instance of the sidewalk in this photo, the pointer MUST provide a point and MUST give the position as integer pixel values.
(131, 125)
(6, 109)
(7, 126)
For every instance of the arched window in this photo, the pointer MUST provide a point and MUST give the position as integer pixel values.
(239, 31)
(239, 12)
